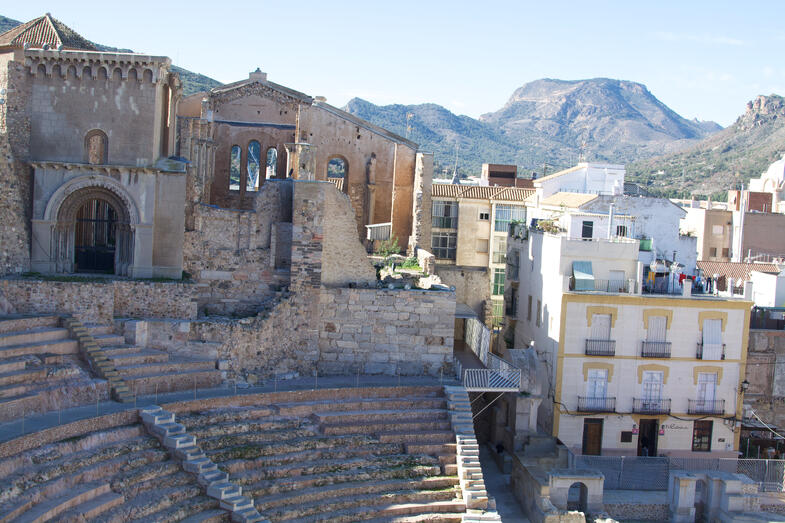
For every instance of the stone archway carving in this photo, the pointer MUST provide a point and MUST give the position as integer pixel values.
(61, 212)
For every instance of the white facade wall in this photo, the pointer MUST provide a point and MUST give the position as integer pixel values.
(768, 290)
(590, 178)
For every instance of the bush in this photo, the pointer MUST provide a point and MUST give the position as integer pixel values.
(388, 247)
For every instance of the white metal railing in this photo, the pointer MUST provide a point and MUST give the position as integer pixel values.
(491, 380)
(378, 231)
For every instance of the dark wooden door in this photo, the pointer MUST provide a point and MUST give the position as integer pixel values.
(647, 437)
(592, 437)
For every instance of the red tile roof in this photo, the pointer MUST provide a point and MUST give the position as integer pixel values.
(739, 271)
(480, 192)
(45, 30)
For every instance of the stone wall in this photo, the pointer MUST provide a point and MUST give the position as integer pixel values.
(101, 301)
(766, 375)
(472, 285)
(386, 331)
(426, 261)
(232, 256)
(15, 175)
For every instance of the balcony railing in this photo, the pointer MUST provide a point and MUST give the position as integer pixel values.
(596, 404)
(656, 349)
(616, 286)
(378, 231)
(651, 406)
(600, 347)
(706, 407)
(710, 351)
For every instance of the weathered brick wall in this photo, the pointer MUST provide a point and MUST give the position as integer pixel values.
(386, 331)
(99, 302)
(15, 175)
(229, 254)
(765, 373)
(142, 299)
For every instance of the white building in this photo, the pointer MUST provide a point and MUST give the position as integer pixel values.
(624, 373)
(588, 178)
(772, 181)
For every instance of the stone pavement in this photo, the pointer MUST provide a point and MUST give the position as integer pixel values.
(498, 487)
(35, 423)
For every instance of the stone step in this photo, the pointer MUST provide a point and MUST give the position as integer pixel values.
(167, 429)
(199, 465)
(90, 509)
(108, 340)
(16, 406)
(21, 376)
(181, 440)
(16, 389)
(304, 496)
(62, 346)
(165, 366)
(256, 438)
(407, 501)
(431, 517)
(33, 336)
(436, 449)
(206, 479)
(378, 403)
(12, 365)
(116, 350)
(235, 503)
(126, 359)
(417, 437)
(146, 384)
(248, 515)
(369, 416)
(23, 322)
(223, 490)
(191, 452)
(186, 508)
(155, 415)
(208, 516)
(375, 428)
(243, 426)
(51, 508)
(98, 328)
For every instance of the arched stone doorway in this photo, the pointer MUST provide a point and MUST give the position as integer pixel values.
(93, 233)
(578, 497)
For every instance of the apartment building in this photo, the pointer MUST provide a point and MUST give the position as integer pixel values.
(624, 373)
(469, 240)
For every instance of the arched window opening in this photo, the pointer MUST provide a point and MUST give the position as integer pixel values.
(272, 162)
(96, 146)
(336, 168)
(254, 165)
(95, 236)
(234, 169)
(578, 497)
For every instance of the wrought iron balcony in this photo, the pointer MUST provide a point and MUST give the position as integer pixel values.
(706, 407)
(600, 347)
(651, 406)
(706, 353)
(596, 404)
(656, 349)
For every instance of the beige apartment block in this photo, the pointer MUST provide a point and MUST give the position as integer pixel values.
(623, 373)
(469, 232)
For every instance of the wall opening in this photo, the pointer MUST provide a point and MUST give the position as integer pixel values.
(96, 146)
(272, 163)
(578, 497)
(253, 167)
(95, 237)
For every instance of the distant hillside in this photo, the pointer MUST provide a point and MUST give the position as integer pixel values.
(192, 82)
(732, 156)
(553, 121)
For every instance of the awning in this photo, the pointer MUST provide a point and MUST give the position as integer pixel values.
(582, 273)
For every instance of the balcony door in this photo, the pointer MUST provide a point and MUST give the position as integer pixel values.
(707, 390)
(651, 392)
(601, 327)
(597, 389)
(712, 339)
(657, 329)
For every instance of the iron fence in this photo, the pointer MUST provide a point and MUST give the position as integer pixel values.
(706, 407)
(651, 406)
(709, 350)
(588, 404)
(652, 473)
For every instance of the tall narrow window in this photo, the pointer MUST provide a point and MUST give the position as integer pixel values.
(712, 340)
(597, 388)
(652, 389)
(500, 250)
(707, 388)
(445, 214)
(254, 153)
(96, 145)
(498, 282)
(234, 169)
(587, 231)
(657, 329)
(506, 214)
(272, 162)
(601, 326)
(701, 436)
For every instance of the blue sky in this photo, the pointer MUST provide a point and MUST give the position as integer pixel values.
(702, 59)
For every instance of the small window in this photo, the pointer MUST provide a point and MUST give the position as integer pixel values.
(626, 436)
(498, 313)
(539, 313)
(529, 314)
(445, 214)
(506, 214)
(443, 245)
(234, 169)
(96, 145)
(254, 164)
(498, 282)
(482, 245)
(587, 231)
(485, 216)
(713, 252)
(621, 230)
(725, 252)
(701, 436)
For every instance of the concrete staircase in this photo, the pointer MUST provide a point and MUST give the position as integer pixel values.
(38, 356)
(173, 436)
